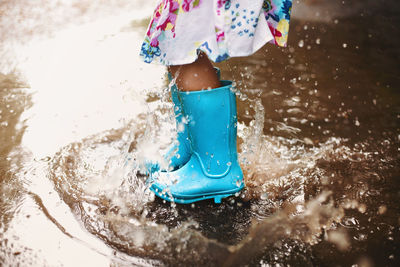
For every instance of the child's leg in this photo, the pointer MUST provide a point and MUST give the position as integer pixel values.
(196, 76)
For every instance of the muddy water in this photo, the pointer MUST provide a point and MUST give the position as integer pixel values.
(319, 137)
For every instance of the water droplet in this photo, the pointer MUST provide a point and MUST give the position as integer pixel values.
(308, 141)
(264, 196)
(344, 45)
(181, 128)
(318, 41)
(362, 208)
(382, 209)
(356, 122)
(301, 43)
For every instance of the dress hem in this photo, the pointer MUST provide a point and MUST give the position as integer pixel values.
(193, 59)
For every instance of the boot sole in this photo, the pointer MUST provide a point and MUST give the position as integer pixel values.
(217, 196)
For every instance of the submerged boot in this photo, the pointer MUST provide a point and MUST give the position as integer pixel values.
(213, 171)
(179, 151)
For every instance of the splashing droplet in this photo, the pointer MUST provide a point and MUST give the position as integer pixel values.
(264, 196)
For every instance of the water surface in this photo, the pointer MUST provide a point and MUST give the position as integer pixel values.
(318, 130)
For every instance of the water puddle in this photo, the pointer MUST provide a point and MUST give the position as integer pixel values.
(318, 141)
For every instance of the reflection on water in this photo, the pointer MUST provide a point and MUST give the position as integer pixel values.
(318, 134)
(15, 100)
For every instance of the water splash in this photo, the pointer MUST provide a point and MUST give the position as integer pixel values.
(110, 195)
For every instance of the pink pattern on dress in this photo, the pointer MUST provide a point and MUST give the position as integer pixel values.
(274, 32)
(165, 13)
(221, 3)
(190, 4)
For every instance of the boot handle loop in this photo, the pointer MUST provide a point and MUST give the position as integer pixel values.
(208, 174)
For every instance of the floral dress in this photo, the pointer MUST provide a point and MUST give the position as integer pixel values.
(179, 29)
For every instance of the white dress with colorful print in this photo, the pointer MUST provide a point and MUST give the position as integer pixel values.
(220, 28)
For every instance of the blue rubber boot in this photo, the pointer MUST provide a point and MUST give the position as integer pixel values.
(213, 171)
(179, 151)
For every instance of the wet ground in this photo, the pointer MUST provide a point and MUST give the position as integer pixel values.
(319, 135)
